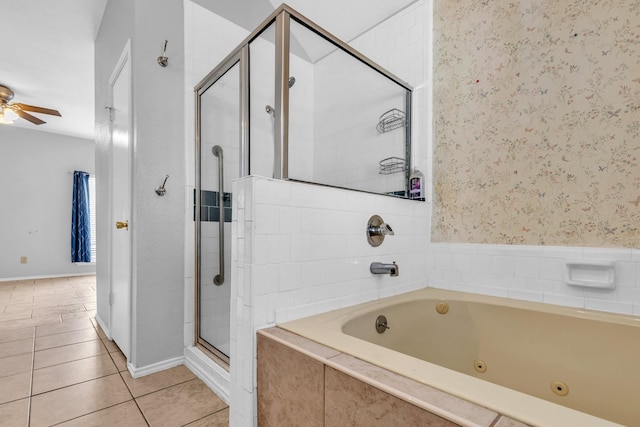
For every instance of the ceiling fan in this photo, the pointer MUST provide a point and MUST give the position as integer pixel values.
(9, 109)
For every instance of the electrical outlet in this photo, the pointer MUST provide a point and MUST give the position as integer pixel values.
(23, 260)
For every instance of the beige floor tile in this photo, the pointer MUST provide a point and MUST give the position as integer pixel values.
(15, 364)
(86, 293)
(75, 300)
(19, 299)
(66, 374)
(98, 328)
(219, 419)
(14, 387)
(60, 309)
(158, 381)
(43, 292)
(15, 414)
(74, 325)
(14, 308)
(66, 338)
(13, 348)
(78, 315)
(44, 302)
(77, 400)
(111, 346)
(34, 321)
(68, 353)
(180, 404)
(125, 414)
(16, 334)
(65, 293)
(17, 315)
(50, 298)
(119, 359)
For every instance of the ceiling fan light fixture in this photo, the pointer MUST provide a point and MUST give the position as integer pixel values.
(8, 116)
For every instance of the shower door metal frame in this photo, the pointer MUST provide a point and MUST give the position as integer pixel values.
(238, 57)
(281, 17)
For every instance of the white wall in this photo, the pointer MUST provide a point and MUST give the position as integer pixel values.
(158, 135)
(36, 172)
(110, 42)
(402, 45)
(301, 249)
(350, 98)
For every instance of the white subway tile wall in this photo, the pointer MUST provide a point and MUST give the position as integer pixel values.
(304, 251)
(534, 273)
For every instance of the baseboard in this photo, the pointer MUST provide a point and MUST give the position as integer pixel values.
(47, 276)
(103, 326)
(212, 374)
(154, 367)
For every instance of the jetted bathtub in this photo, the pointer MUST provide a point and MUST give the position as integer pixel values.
(541, 364)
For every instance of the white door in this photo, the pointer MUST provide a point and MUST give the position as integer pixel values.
(120, 298)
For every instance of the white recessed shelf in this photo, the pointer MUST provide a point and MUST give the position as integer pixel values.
(591, 274)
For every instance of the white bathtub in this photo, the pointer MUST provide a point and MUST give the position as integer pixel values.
(530, 353)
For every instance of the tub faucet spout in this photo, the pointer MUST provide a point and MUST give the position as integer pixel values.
(392, 270)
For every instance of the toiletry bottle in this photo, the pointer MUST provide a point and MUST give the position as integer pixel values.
(416, 185)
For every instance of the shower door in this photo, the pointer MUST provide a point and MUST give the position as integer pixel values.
(217, 164)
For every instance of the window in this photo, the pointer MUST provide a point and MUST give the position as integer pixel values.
(92, 215)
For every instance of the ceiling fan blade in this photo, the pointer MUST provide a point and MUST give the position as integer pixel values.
(34, 109)
(27, 116)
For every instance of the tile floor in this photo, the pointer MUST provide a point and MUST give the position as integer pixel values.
(58, 368)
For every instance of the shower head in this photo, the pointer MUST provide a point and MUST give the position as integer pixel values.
(268, 108)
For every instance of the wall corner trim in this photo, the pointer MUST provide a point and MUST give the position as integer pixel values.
(154, 367)
(103, 325)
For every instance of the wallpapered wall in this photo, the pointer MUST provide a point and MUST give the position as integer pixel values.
(537, 122)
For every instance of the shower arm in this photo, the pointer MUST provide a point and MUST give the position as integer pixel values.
(217, 151)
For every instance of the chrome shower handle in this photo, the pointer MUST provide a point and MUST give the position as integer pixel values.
(217, 151)
(383, 229)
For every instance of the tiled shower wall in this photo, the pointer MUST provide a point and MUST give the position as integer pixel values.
(301, 249)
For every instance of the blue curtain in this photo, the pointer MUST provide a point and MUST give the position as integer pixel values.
(80, 223)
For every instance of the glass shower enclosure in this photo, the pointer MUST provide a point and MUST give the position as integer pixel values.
(291, 102)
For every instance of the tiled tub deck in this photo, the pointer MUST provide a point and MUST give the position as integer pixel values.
(301, 382)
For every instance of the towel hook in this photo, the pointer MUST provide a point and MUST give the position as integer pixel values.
(162, 59)
(160, 191)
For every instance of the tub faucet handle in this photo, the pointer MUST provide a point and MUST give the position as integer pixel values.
(377, 229)
(383, 229)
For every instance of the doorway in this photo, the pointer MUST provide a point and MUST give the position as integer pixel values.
(120, 226)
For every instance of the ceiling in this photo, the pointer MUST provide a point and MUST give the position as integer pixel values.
(46, 56)
(345, 19)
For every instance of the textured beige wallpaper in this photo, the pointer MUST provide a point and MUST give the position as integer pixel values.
(537, 122)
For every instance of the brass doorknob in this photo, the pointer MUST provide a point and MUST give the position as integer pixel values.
(121, 224)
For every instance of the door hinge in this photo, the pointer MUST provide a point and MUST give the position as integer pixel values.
(110, 298)
(110, 109)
